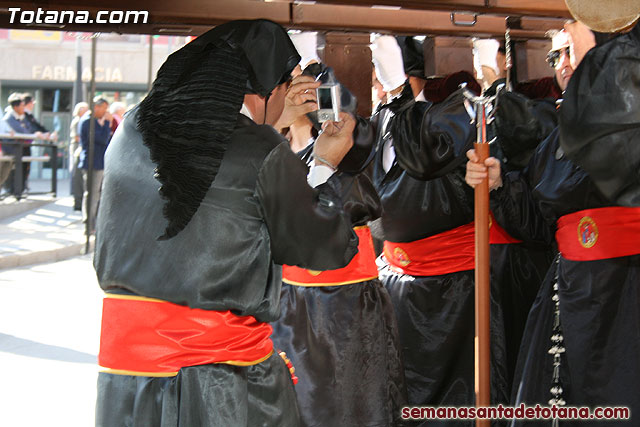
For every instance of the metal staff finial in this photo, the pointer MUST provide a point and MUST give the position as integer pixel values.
(507, 54)
(479, 112)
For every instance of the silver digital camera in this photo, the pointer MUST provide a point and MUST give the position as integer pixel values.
(328, 102)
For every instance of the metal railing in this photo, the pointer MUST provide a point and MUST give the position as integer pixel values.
(20, 141)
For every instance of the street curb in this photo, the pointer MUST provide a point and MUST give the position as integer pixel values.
(42, 257)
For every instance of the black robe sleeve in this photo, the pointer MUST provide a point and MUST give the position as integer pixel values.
(515, 207)
(362, 152)
(600, 121)
(308, 226)
(361, 200)
(430, 140)
(521, 124)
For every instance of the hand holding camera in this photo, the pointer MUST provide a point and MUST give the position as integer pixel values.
(335, 141)
(299, 100)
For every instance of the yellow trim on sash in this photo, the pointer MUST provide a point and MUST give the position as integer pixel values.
(138, 374)
(173, 374)
(250, 363)
(313, 285)
(134, 298)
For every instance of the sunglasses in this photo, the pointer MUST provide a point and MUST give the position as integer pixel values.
(553, 57)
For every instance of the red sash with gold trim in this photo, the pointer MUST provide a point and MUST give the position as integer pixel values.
(361, 268)
(601, 233)
(444, 253)
(151, 337)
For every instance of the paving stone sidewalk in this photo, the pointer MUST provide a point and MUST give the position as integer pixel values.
(50, 230)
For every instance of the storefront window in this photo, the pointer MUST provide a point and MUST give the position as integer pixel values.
(56, 100)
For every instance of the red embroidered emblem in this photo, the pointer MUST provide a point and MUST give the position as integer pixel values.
(401, 257)
(587, 232)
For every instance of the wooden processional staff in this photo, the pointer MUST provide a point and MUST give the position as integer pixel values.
(483, 107)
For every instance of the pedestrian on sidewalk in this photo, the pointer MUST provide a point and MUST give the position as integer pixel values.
(15, 119)
(74, 155)
(102, 137)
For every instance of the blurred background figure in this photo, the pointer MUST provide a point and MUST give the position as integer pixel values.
(117, 110)
(16, 121)
(74, 155)
(6, 165)
(29, 105)
(103, 120)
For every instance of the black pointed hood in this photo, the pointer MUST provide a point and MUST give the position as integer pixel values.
(192, 109)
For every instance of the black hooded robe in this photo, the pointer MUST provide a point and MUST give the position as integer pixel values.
(258, 213)
(519, 269)
(599, 300)
(343, 340)
(435, 313)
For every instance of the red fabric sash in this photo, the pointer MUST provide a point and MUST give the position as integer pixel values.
(361, 268)
(444, 253)
(149, 337)
(601, 233)
(497, 234)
